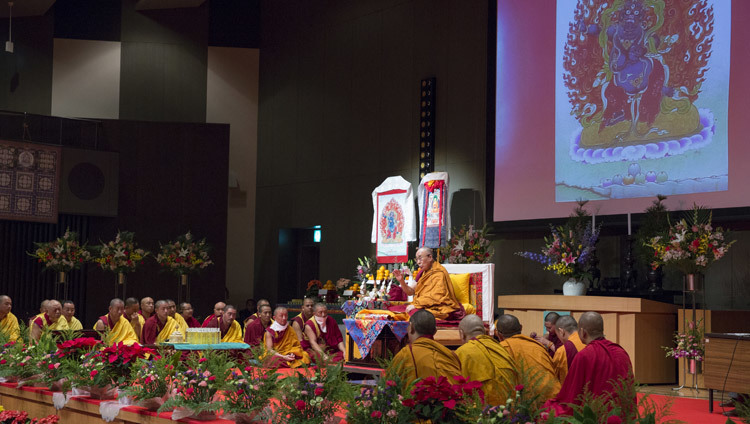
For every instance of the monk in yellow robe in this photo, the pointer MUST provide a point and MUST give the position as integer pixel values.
(160, 326)
(182, 325)
(230, 329)
(283, 349)
(8, 321)
(50, 320)
(566, 328)
(68, 312)
(434, 290)
(484, 359)
(535, 368)
(423, 356)
(120, 330)
(42, 311)
(136, 320)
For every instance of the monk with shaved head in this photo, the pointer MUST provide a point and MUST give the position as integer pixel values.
(594, 367)
(218, 311)
(8, 322)
(535, 368)
(566, 328)
(117, 325)
(283, 349)
(52, 319)
(160, 326)
(484, 359)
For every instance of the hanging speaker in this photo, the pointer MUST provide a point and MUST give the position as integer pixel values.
(89, 183)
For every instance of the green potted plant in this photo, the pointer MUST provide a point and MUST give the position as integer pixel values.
(655, 223)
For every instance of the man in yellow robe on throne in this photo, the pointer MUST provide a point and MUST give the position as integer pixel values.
(434, 290)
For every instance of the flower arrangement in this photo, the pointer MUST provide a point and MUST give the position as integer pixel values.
(109, 367)
(522, 407)
(185, 255)
(22, 417)
(120, 255)
(689, 344)
(58, 367)
(62, 254)
(570, 248)
(313, 396)
(312, 288)
(469, 246)
(151, 378)
(195, 389)
(364, 269)
(437, 400)
(249, 391)
(691, 244)
(381, 404)
(15, 361)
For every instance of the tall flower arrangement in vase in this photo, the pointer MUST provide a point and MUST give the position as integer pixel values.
(569, 249)
(468, 246)
(691, 244)
(121, 255)
(185, 255)
(63, 254)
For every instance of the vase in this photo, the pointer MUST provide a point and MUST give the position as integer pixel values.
(694, 367)
(61, 277)
(183, 279)
(574, 288)
(120, 278)
(693, 282)
(655, 277)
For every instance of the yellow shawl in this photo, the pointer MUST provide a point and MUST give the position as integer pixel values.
(434, 292)
(9, 327)
(535, 367)
(234, 334)
(60, 324)
(288, 343)
(121, 332)
(485, 359)
(182, 325)
(74, 324)
(424, 358)
(561, 357)
(168, 329)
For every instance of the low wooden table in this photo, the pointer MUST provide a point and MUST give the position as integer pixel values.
(727, 364)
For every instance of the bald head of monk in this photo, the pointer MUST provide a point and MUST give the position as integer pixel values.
(43, 306)
(508, 326)
(424, 258)
(590, 327)
(54, 310)
(565, 326)
(422, 323)
(116, 309)
(471, 326)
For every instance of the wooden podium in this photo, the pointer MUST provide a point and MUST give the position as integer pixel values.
(640, 326)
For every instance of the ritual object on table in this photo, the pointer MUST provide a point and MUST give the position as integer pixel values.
(393, 223)
(176, 337)
(434, 227)
(203, 336)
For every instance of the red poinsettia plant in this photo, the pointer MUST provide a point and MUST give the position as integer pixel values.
(58, 367)
(438, 400)
(22, 417)
(111, 366)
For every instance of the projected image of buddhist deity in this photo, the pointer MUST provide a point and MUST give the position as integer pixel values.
(636, 74)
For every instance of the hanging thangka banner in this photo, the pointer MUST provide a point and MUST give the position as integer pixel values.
(29, 180)
(393, 224)
(434, 228)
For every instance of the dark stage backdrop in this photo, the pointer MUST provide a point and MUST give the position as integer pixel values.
(172, 178)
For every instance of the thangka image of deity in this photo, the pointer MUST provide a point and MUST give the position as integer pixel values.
(391, 223)
(641, 98)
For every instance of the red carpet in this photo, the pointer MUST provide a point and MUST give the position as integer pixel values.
(691, 411)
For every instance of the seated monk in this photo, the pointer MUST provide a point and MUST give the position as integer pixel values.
(593, 367)
(230, 329)
(135, 319)
(282, 346)
(423, 356)
(324, 339)
(8, 322)
(42, 311)
(551, 342)
(298, 322)
(50, 320)
(484, 359)
(256, 315)
(567, 331)
(186, 310)
(160, 326)
(255, 329)
(434, 290)
(534, 365)
(182, 325)
(147, 308)
(218, 310)
(68, 312)
(120, 330)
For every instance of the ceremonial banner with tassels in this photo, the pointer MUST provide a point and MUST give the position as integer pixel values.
(434, 228)
(393, 224)
(29, 181)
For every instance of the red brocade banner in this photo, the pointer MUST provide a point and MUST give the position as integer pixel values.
(29, 181)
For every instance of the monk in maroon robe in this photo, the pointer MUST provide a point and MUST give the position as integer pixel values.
(186, 310)
(594, 367)
(218, 311)
(255, 329)
(324, 339)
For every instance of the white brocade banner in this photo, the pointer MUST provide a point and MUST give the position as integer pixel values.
(394, 223)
